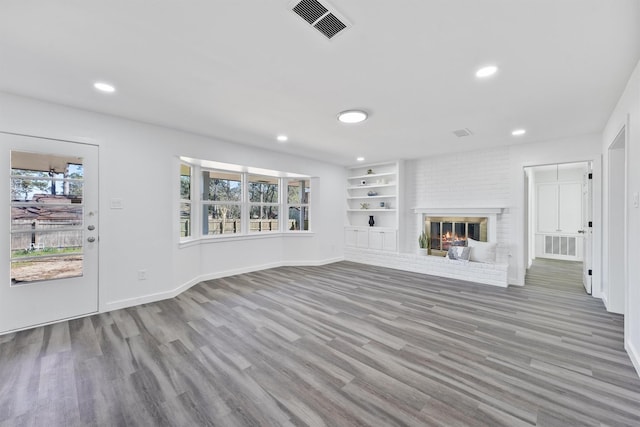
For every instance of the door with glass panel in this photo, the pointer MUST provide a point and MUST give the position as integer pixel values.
(50, 250)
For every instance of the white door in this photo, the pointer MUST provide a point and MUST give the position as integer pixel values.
(587, 229)
(50, 256)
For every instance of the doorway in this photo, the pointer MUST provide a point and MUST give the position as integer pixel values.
(559, 214)
(50, 266)
(614, 295)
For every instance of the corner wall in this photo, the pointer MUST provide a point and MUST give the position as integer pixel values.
(139, 164)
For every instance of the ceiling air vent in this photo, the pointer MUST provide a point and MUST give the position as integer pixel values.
(462, 132)
(321, 17)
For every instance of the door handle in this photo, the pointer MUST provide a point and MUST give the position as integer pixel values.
(581, 231)
(91, 239)
(91, 227)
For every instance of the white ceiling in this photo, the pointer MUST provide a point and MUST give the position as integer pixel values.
(246, 71)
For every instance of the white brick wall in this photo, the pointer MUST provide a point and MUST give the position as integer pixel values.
(490, 274)
(472, 180)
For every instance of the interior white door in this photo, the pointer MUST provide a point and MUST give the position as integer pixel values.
(587, 229)
(50, 267)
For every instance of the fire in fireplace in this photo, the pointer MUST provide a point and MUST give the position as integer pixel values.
(445, 232)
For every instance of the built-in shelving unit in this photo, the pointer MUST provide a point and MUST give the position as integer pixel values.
(373, 190)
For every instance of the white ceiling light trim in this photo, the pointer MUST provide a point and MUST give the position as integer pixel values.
(359, 159)
(518, 132)
(487, 71)
(104, 87)
(352, 116)
(282, 138)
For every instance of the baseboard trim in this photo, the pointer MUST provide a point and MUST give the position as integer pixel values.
(634, 355)
(159, 296)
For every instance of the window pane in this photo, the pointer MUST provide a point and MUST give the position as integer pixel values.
(185, 219)
(222, 186)
(298, 191)
(263, 218)
(221, 219)
(263, 189)
(298, 218)
(185, 182)
(46, 267)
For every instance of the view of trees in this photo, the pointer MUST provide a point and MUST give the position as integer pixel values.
(26, 183)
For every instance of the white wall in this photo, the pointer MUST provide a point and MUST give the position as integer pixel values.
(627, 113)
(495, 178)
(139, 164)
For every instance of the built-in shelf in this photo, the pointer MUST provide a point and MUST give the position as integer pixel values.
(355, 187)
(372, 210)
(385, 180)
(373, 175)
(388, 196)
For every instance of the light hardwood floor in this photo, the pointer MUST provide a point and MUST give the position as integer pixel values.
(342, 344)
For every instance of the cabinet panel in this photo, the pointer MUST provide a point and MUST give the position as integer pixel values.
(547, 204)
(570, 207)
(376, 239)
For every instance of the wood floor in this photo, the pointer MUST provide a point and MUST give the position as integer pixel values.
(343, 344)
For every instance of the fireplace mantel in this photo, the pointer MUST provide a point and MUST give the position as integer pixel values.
(459, 211)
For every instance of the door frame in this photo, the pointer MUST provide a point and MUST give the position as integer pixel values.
(96, 204)
(617, 171)
(530, 218)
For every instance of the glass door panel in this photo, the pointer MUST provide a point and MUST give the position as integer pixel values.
(47, 217)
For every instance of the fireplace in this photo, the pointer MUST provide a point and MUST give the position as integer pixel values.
(447, 231)
(448, 227)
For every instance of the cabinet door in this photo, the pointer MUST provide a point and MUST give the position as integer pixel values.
(362, 239)
(570, 207)
(351, 237)
(547, 211)
(376, 239)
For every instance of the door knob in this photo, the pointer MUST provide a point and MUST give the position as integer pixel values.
(581, 231)
(91, 227)
(91, 239)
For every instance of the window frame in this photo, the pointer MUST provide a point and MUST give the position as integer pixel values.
(198, 203)
(188, 202)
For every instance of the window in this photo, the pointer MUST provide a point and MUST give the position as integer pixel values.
(298, 192)
(222, 199)
(185, 201)
(221, 202)
(263, 203)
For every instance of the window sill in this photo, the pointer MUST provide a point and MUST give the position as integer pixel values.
(241, 237)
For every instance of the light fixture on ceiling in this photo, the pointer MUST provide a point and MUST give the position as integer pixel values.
(360, 159)
(518, 132)
(487, 71)
(104, 87)
(282, 138)
(352, 116)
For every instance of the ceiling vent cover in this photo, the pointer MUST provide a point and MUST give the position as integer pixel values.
(323, 18)
(462, 132)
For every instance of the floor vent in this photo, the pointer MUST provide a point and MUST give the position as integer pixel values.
(462, 132)
(323, 18)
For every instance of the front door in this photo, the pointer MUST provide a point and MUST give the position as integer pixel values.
(49, 268)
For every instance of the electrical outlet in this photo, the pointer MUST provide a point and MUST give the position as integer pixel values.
(142, 274)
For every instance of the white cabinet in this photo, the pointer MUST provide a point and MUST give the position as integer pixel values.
(559, 207)
(381, 239)
(373, 191)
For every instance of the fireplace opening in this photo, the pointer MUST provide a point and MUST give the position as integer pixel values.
(445, 232)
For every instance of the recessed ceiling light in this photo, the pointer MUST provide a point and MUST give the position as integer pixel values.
(518, 132)
(104, 87)
(282, 138)
(486, 71)
(360, 159)
(352, 116)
